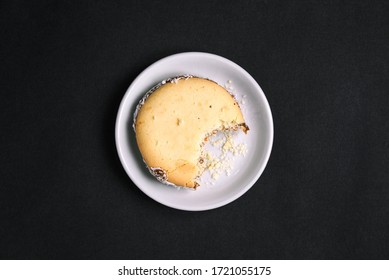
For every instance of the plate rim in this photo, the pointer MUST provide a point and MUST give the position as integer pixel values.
(268, 114)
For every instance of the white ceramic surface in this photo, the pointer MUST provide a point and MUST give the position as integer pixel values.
(259, 139)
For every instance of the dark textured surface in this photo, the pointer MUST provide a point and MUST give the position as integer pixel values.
(64, 67)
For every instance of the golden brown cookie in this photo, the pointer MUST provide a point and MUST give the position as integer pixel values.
(174, 119)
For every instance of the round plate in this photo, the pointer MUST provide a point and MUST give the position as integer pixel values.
(258, 140)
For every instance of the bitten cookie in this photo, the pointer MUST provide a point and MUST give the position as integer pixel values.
(173, 121)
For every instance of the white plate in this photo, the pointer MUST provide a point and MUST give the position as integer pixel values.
(259, 139)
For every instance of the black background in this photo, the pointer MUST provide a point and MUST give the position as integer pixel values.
(64, 67)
